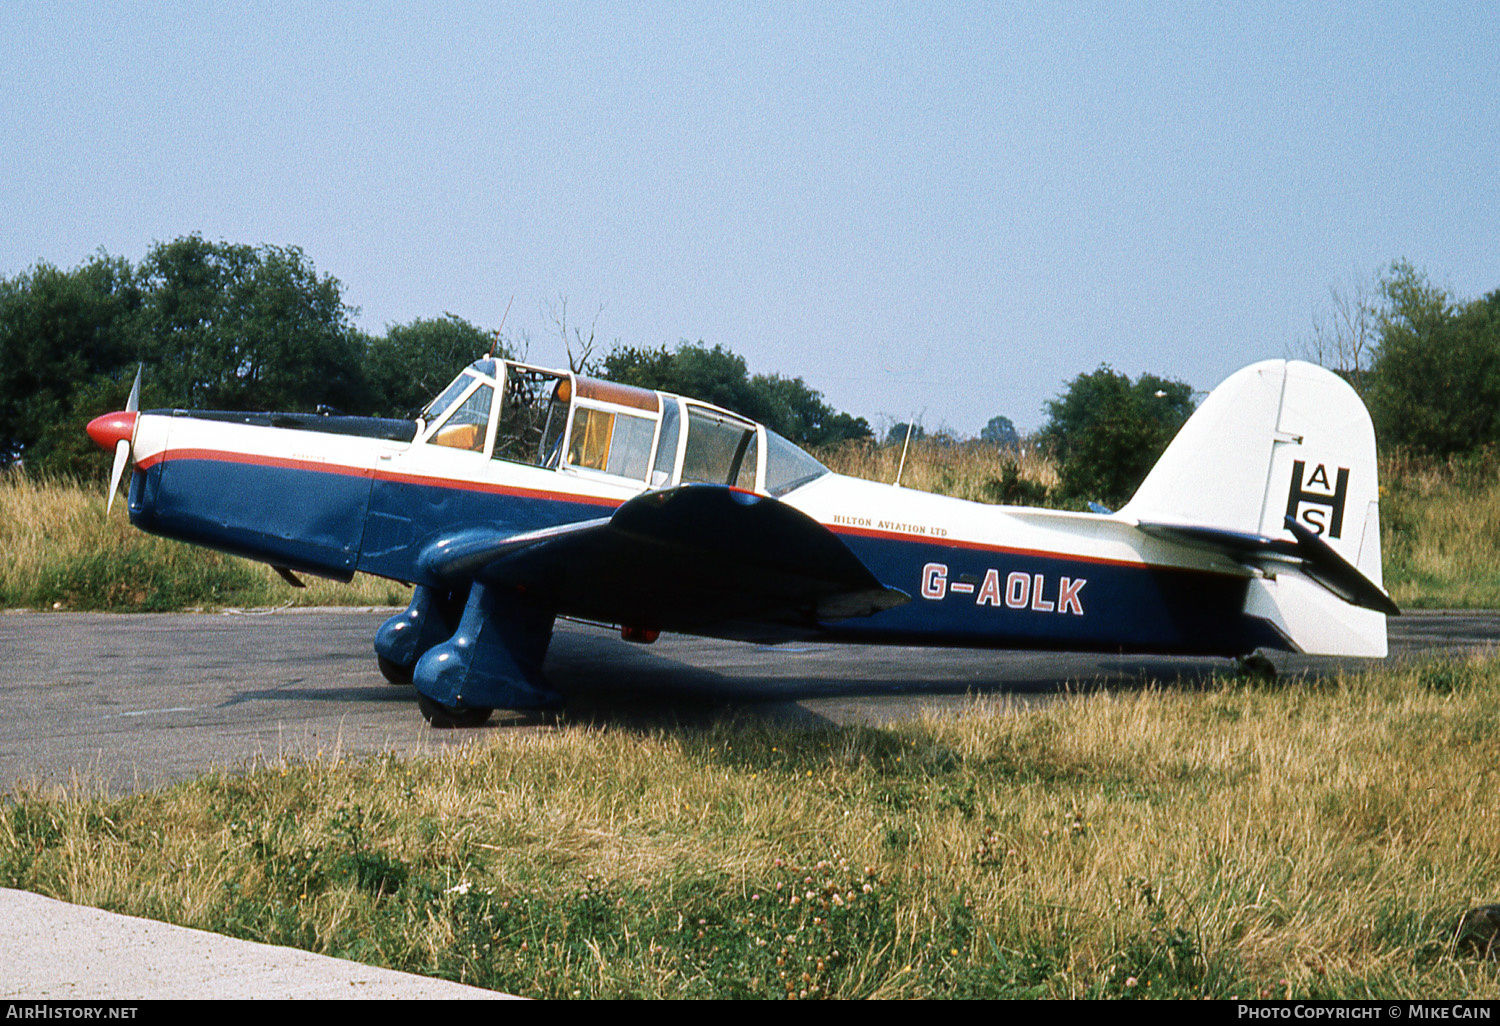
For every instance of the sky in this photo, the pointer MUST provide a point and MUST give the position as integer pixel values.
(940, 211)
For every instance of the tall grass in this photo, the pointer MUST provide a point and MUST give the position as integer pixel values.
(63, 552)
(968, 470)
(1317, 839)
(1440, 525)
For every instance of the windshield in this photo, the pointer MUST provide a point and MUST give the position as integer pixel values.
(788, 467)
(449, 396)
(467, 427)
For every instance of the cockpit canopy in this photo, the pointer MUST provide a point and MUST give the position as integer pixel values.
(557, 420)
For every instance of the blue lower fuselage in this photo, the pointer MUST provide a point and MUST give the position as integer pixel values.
(336, 522)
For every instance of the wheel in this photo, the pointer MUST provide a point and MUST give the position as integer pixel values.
(1257, 667)
(445, 717)
(395, 673)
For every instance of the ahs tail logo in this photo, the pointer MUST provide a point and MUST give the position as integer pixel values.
(1319, 521)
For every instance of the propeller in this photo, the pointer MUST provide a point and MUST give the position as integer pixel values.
(117, 428)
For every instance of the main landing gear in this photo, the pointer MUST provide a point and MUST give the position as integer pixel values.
(394, 673)
(468, 653)
(444, 717)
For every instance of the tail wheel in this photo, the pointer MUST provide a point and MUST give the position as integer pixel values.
(445, 717)
(395, 673)
(1256, 666)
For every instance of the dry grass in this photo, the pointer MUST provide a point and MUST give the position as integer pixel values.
(1441, 529)
(1316, 839)
(967, 470)
(1440, 521)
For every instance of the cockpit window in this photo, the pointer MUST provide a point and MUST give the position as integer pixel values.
(719, 450)
(788, 467)
(533, 414)
(467, 427)
(615, 443)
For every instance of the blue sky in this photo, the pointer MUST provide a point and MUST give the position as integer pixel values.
(934, 210)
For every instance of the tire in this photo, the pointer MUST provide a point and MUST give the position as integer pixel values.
(1256, 666)
(446, 717)
(394, 673)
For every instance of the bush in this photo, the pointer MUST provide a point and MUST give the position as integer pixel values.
(1106, 432)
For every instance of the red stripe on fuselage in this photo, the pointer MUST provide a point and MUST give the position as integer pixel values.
(343, 470)
(251, 459)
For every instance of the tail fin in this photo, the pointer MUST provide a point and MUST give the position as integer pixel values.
(1282, 443)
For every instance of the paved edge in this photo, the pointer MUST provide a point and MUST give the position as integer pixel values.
(54, 950)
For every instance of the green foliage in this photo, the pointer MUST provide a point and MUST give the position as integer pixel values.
(897, 434)
(1106, 432)
(785, 405)
(63, 336)
(999, 431)
(237, 327)
(217, 325)
(1435, 381)
(141, 577)
(412, 362)
(1011, 489)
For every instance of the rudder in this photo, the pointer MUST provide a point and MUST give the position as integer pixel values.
(1281, 439)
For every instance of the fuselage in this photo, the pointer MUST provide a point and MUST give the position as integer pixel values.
(347, 495)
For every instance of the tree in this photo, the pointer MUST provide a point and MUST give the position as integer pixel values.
(1435, 379)
(897, 434)
(785, 405)
(237, 327)
(217, 326)
(64, 336)
(1345, 337)
(580, 350)
(999, 431)
(1106, 432)
(411, 363)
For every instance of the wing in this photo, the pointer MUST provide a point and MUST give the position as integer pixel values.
(701, 559)
(1307, 553)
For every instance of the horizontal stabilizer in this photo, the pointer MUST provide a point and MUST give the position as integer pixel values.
(693, 558)
(1308, 553)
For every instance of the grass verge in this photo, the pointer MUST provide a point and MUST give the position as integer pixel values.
(1440, 523)
(1316, 840)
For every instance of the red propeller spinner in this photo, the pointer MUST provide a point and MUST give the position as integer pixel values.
(112, 428)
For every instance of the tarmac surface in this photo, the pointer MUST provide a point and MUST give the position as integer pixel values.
(116, 703)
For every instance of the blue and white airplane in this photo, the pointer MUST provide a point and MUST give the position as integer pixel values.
(521, 494)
